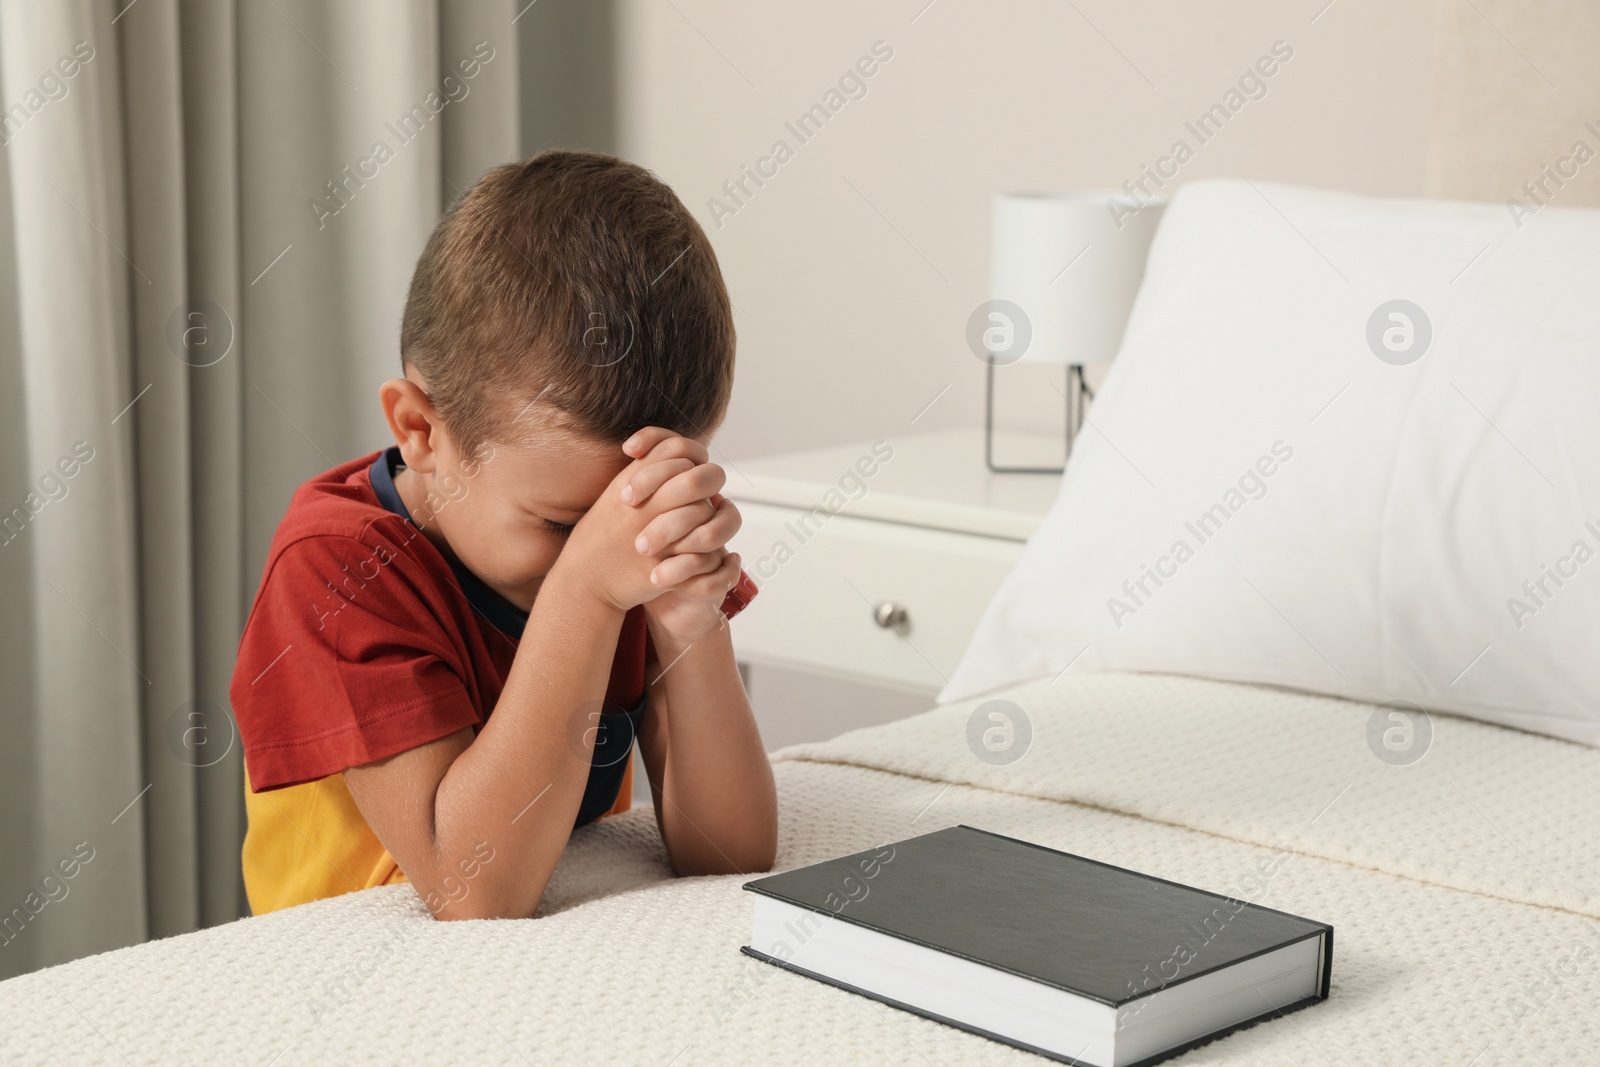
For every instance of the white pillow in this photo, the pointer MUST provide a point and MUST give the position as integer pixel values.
(1426, 531)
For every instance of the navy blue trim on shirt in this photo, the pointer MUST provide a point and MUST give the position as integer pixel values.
(614, 730)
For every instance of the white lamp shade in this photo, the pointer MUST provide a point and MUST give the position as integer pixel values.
(1072, 270)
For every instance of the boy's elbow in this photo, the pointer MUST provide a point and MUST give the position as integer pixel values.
(755, 857)
(761, 859)
(480, 910)
(482, 902)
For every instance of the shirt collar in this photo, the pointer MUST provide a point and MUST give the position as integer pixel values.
(485, 601)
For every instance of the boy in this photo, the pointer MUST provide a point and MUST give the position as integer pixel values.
(544, 542)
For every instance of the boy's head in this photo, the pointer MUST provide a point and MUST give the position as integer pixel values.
(562, 304)
(578, 283)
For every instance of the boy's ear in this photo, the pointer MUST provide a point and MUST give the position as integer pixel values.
(413, 422)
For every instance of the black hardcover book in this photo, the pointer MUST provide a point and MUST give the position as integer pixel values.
(1060, 955)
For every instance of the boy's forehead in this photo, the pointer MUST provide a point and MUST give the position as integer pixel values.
(561, 469)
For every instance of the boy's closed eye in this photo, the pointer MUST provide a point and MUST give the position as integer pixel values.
(561, 527)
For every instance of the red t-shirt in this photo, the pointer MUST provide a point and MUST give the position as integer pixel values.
(364, 642)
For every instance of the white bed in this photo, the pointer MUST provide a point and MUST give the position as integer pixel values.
(1463, 890)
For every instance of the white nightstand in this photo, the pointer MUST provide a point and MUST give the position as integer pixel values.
(869, 596)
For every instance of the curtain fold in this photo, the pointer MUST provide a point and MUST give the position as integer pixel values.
(69, 223)
(211, 245)
(164, 589)
(206, 260)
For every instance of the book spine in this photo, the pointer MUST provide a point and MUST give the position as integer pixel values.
(1327, 963)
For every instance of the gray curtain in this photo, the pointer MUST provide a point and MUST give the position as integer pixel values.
(203, 258)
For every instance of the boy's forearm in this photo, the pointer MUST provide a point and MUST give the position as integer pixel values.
(519, 785)
(718, 806)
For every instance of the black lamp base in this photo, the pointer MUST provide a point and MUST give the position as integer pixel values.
(1077, 393)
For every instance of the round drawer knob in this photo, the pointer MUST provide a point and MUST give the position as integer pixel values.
(891, 616)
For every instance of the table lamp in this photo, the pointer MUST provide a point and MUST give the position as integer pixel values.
(1063, 277)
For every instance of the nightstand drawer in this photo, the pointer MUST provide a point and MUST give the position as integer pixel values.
(824, 577)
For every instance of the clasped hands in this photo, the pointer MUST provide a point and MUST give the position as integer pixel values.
(658, 535)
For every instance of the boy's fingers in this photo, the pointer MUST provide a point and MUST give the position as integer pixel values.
(698, 526)
(699, 483)
(649, 477)
(677, 446)
(675, 569)
(712, 534)
(718, 583)
(672, 526)
(639, 445)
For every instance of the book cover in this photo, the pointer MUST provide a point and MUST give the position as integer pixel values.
(1101, 932)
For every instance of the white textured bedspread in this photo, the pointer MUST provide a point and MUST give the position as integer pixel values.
(1463, 888)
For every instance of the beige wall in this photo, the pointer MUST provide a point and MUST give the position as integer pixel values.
(1516, 109)
(853, 270)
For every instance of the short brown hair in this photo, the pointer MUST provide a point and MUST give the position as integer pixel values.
(576, 280)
